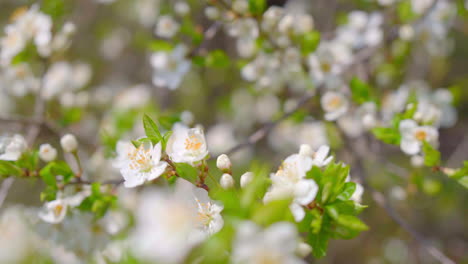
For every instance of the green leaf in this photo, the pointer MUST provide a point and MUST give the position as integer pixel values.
(388, 135)
(319, 242)
(351, 222)
(257, 7)
(361, 91)
(187, 172)
(217, 59)
(431, 155)
(8, 168)
(54, 8)
(309, 42)
(151, 129)
(273, 211)
(348, 191)
(160, 45)
(49, 193)
(53, 169)
(316, 221)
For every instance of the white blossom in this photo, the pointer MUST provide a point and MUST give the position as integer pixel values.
(276, 244)
(166, 27)
(139, 165)
(226, 181)
(334, 104)
(246, 178)
(69, 143)
(186, 145)
(47, 153)
(290, 182)
(414, 135)
(170, 67)
(223, 162)
(11, 148)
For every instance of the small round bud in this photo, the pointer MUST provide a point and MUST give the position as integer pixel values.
(47, 153)
(303, 249)
(246, 178)
(417, 161)
(306, 150)
(223, 162)
(69, 143)
(226, 181)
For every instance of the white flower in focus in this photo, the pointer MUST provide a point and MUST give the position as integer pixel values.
(413, 136)
(170, 223)
(170, 67)
(166, 27)
(186, 145)
(11, 148)
(141, 164)
(334, 104)
(69, 143)
(290, 182)
(47, 153)
(275, 245)
(54, 212)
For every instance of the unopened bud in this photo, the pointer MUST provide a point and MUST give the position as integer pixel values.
(226, 181)
(246, 178)
(305, 150)
(47, 153)
(69, 143)
(223, 162)
(303, 249)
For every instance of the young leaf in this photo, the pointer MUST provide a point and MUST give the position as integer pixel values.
(431, 155)
(185, 171)
(361, 91)
(348, 191)
(388, 135)
(8, 168)
(151, 129)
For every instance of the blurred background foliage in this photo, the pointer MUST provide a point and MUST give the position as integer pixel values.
(114, 40)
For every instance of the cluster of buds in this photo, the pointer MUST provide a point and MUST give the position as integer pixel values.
(227, 181)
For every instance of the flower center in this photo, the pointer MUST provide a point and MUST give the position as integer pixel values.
(58, 209)
(140, 159)
(18, 13)
(420, 135)
(193, 143)
(335, 102)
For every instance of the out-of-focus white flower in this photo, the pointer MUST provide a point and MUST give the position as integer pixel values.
(386, 2)
(64, 77)
(240, 6)
(303, 249)
(11, 148)
(132, 97)
(140, 164)
(362, 30)
(413, 136)
(186, 145)
(166, 27)
(28, 24)
(266, 107)
(55, 211)
(290, 182)
(357, 195)
(223, 162)
(334, 104)
(226, 181)
(211, 12)
(246, 178)
(417, 161)
(220, 138)
(419, 6)
(276, 244)
(181, 219)
(170, 67)
(19, 80)
(69, 143)
(187, 118)
(47, 153)
(182, 8)
(406, 32)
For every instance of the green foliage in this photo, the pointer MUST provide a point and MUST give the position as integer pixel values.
(151, 129)
(54, 8)
(98, 202)
(185, 171)
(461, 175)
(309, 42)
(388, 135)
(431, 155)
(54, 169)
(274, 211)
(361, 91)
(160, 45)
(405, 11)
(26, 55)
(9, 168)
(333, 214)
(257, 7)
(217, 59)
(70, 116)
